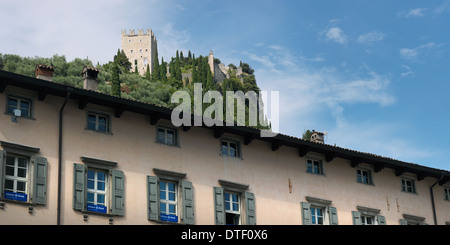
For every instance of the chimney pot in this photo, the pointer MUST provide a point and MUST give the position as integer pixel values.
(90, 75)
(44, 72)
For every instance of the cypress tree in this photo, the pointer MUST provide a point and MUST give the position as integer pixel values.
(115, 83)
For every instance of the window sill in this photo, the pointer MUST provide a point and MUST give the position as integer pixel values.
(167, 222)
(27, 203)
(30, 118)
(164, 144)
(100, 132)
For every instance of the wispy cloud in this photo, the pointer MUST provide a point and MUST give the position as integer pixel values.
(371, 37)
(408, 71)
(335, 34)
(411, 54)
(417, 12)
(305, 90)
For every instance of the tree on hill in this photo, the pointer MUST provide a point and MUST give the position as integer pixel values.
(115, 83)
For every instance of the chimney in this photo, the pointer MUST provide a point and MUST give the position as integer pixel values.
(90, 78)
(317, 137)
(44, 72)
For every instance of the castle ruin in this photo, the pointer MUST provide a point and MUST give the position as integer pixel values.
(141, 49)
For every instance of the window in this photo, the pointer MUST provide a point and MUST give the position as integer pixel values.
(230, 148)
(170, 198)
(233, 204)
(314, 166)
(364, 176)
(97, 187)
(16, 178)
(22, 104)
(168, 201)
(23, 175)
(367, 220)
(408, 186)
(166, 136)
(232, 208)
(96, 191)
(317, 216)
(98, 122)
(447, 193)
(368, 216)
(318, 211)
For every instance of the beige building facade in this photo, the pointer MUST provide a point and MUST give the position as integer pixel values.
(78, 157)
(141, 49)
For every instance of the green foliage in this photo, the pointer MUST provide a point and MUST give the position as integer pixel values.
(116, 79)
(115, 83)
(307, 135)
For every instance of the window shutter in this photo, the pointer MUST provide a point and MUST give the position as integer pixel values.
(381, 220)
(39, 180)
(219, 206)
(250, 208)
(117, 193)
(79, 186)
(1, 172)
(188, 203)
(403, 222)
(306, 213)
(356, 218)
(153, 198)
(333, 216)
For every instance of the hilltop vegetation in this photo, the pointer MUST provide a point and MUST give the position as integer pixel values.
(116, 79)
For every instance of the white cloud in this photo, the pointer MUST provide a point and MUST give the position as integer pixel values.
(417, 12)
(408, 71)
(411, 54)
(371, 37)
(335, 34)
(305, 90)
(170, 40)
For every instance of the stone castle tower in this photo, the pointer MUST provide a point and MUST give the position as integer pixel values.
(141, 49)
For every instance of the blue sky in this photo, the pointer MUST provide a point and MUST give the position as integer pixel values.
(373, 74)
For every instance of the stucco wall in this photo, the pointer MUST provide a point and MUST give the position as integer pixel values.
(132, 144)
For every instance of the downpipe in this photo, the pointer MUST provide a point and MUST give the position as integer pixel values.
(432, 198)
(69, 90)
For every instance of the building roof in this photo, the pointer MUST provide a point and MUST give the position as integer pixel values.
(156, 112)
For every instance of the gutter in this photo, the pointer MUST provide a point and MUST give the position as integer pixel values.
(69, 90)
(432, 198)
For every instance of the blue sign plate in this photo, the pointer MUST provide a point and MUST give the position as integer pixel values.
(169, 218)
(16, 196)
(96, 208)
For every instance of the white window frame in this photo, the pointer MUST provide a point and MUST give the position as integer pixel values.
(15, 178)
(230, 210)
(364, 219)
(96, 191)
(228, 143)
(447, 193)
(19, 99)
(166, 201)
(405, 187)
(313, 162)
(165, 140)
(315, 217)
(360, 176)
(97, 122)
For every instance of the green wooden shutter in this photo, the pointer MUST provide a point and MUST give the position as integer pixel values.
(39, 180)
(250, 208)
(333, 216)
(2, 157)
(306, 213)
(153, 198)
(356, 218)
(403, 222)
(188, 203)
(219, 206)
(117, 193)
(79, 186)
(381, 220)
